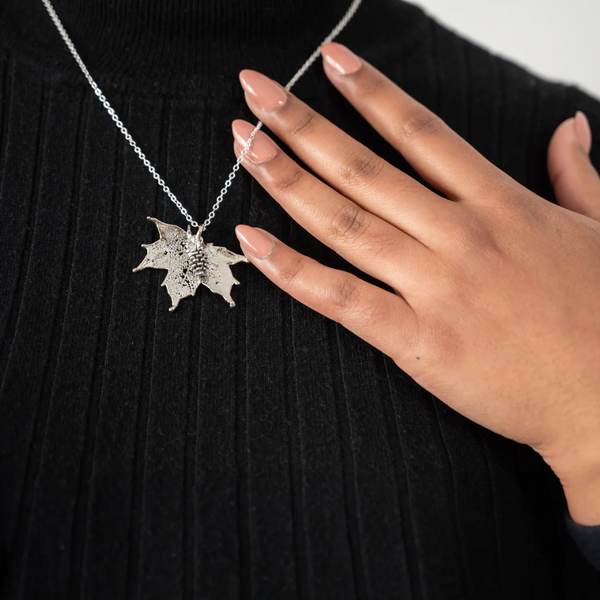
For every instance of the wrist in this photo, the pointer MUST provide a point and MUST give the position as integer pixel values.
(580, 480)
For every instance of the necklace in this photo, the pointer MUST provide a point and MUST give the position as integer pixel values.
(187, 258)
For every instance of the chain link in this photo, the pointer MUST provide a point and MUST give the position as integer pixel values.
(111, 111)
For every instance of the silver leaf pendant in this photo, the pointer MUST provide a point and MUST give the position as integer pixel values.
(190, 262)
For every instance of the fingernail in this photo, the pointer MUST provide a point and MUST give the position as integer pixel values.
(254, 241)
(583, 131)
(264, 91)
(261, 148)
(340, 58)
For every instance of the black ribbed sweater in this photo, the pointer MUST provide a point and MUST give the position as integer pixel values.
(255, 452)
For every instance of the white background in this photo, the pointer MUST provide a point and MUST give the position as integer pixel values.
(557, 39)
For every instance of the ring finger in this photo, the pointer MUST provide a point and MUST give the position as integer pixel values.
(368, 242)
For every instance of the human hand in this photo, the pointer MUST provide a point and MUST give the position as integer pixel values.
(496, 309)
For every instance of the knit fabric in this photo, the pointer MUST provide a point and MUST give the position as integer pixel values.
(587, 537)
(255, 452)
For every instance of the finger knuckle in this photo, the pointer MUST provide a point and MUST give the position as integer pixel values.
(446, 346)
(492, 258)
(347, 304)
(419, 122)
(290, 181)
(349, 224)
(290, 273)
(480, 256)
(344, 297)
(495, 186)
(304, 124)
(470, 235)
(440, 343)
(372, 84)
(363, 166)
(513, 204)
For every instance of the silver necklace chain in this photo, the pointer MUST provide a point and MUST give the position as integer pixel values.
(111, 111)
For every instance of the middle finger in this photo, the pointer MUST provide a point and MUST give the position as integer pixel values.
(370, 243)
(346, 164)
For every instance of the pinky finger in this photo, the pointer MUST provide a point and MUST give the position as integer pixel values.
(379, 317)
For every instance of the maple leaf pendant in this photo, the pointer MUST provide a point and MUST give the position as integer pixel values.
(190, 262)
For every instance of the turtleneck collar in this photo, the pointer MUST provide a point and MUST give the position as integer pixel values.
(171, 45)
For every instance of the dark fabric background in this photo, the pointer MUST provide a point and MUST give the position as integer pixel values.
(255, 452)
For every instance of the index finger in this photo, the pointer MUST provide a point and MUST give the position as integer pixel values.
(435, 151)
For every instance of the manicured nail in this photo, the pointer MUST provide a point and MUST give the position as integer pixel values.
(340, 58)
(261, 148)
(254, 241)
(262, 90)
(583, 131)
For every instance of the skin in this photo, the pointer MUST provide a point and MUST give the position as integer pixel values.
(496, 309)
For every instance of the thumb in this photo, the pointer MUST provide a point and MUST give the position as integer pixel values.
(575, 181)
